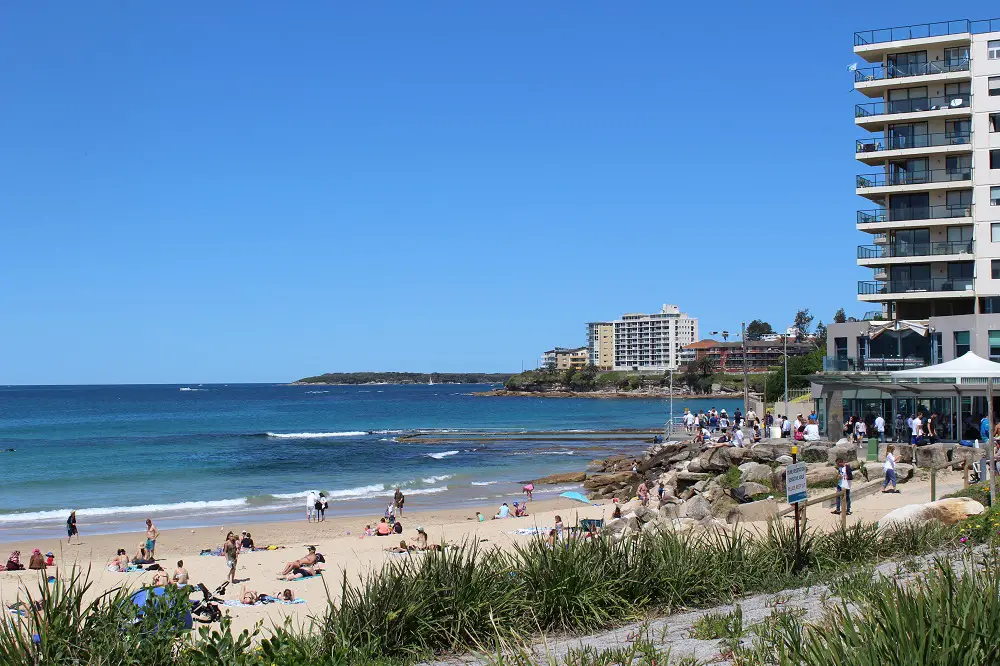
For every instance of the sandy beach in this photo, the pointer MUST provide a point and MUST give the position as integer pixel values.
(346, 552)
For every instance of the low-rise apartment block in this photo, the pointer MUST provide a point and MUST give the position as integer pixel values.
(727, 357)
(563, 358)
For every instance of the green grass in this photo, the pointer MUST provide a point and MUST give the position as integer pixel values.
(467, 599)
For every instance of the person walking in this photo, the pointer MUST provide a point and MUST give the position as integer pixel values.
(643, 493)
(846, 476)
(71, 528)
(880, 428)
(231, 550)
(311, 500)
(897, 428)
(889, 467)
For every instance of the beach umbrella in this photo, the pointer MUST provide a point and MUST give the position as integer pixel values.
(162, 605)
(572, 494)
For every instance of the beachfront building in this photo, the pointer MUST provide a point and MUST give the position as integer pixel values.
(652, 342)
(931, 191)
(563, 358)
(727, 357)
(601, 344)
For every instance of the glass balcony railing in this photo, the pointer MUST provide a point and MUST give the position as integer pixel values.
(913, 105)
(869, 180)
(893, 71)
(866, 288)
(939, 212)
(872, 363)
(878, 143)
(925, 30)
(914, 249)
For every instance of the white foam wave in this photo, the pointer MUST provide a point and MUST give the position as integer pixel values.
(484, 483)
(441, 454)
(317, 391)
(544, 453)
(188, 388)
(435, 479)
(186, 507)
(427, 491)
(316, 435)
(360, 491)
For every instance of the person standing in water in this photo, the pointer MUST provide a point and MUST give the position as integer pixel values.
(71, 528)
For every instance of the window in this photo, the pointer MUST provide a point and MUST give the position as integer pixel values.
(995, 232)
(995, 159)
(995, 122)
(993, 49)
(962, 345)
(995, 196)
(995, 345)
(995, 269)
(994, 86)
(960, 234)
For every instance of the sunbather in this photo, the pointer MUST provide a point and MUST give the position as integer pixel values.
(308, 561)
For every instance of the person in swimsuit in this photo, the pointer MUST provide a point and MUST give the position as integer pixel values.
(308, 561)
(231, 550)
(152, 534)
(180, 574)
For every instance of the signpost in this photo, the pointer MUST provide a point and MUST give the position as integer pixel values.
(795, 487)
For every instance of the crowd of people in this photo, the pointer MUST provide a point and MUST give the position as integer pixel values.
(716, 428)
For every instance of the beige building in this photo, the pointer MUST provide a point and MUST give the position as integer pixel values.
(601, 344)
(562, 358)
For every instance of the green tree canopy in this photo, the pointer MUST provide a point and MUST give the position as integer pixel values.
(758, 329)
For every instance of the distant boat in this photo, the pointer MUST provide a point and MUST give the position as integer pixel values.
(430, 379)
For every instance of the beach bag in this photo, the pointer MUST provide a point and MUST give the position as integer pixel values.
(800, 436)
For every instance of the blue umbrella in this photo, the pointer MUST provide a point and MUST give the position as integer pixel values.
(572, 494)
(148, 596)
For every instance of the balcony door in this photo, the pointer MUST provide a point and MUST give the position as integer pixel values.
(911, 243)
(959, 203)
(907, 135)
(904, 207)
(959, 276)
(907, 64)
(958, 167)
(915, 277)
(908, 172)
(907, 100)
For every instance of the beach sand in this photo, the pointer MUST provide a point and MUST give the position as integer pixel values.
(338, 540)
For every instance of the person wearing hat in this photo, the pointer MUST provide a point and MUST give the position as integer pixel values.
(308, 561)
(421, 538)
(50, 559)
(246, 542)
(36, 562)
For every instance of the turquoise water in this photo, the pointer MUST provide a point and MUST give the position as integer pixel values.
(188, 455)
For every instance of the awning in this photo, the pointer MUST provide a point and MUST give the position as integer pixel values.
(967, 369)
(877, 328)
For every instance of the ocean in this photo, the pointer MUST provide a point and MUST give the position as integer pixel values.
(198, 455)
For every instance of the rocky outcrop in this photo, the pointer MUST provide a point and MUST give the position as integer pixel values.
(845, 452)
(945, 511)
(904, 472)
(932, 455)
(567, 477)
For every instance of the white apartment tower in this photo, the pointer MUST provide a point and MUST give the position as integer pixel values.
(932, 181)
(652, 342)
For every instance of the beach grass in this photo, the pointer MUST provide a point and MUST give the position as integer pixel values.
(466, 598)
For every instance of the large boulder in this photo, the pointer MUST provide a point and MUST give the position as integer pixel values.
(847, 452)
(756, 473)
(821, 475)
(751, 489)
(904, 472)
(901, 452)
(566, 477)
(723, 505)
(598, 481)
(694, 466)
(932, 455)
(812, 453)
(696, 508)
(752, 511)
(945, 511)
(962, 454)
(644, 514)
(721, 458)
(770, 450)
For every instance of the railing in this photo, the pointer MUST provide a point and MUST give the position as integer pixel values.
(925, 30)
(877, 143)
(937, 212)
(872, 363)
(835, 364)
(866, 288)
(893, 71)
(873, 315)
(868, 180)
(913, 105)
(914, 249)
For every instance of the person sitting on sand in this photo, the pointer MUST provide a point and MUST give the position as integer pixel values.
(37, 561)
(119, 562)
(50, 559)
(300, 572)
(617, 512)
(480, 517)
(397, 527)
(246, 543)
(142, 555)
(504, 512)
(180, 574)
(369, 531)
(550, 540)
(309, 560)
(161, 579)
(401, 548)
(383, 528)
(14, 562)
(421, 539)
(520, 510)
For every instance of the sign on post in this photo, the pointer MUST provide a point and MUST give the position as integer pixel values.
(795, 482)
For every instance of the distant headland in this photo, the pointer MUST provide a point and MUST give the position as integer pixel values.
(407, 378)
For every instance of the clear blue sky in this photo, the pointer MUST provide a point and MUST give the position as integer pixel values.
(237, 191)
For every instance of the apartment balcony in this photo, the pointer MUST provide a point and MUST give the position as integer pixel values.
(881, 255)
(874, 115)
(913, 289)
(877, 185)
(875, 150)
(875, 81)
(874, 45)
(872, 363)
(903, 218)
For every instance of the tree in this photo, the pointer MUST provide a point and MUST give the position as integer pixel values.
(839, 317)
(758, 329)
(799, 369)
(821, 334)
(803, 320)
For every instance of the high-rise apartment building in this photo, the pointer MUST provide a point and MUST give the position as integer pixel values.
(601, 344)
(652, 342)
(932, 176)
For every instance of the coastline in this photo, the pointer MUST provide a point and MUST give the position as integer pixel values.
(633, 395)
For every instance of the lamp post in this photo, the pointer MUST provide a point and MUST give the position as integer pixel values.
(746, 384)
(785, 338)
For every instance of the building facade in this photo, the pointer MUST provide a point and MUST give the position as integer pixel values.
(563, 358)
(727, 357)
(601, 344)
(652, 342)
(932, 209)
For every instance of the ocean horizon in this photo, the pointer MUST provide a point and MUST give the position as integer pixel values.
(191, 455)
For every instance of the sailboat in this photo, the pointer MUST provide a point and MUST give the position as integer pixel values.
(430, 379)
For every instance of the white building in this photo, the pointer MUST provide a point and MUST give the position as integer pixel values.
(652, 342)
(933, 168)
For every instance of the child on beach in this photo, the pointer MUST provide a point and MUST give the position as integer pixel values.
(368, 531)
(528, 489)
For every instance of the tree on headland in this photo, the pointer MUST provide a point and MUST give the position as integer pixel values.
(839, 317)
(758, 329)
(821, 334)
(803, 320)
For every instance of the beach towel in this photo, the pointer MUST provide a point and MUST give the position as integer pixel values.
(296, 580)
(211, 552)
(531, 531)
(265, 600)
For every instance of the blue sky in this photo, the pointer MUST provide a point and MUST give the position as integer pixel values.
(196, 192)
